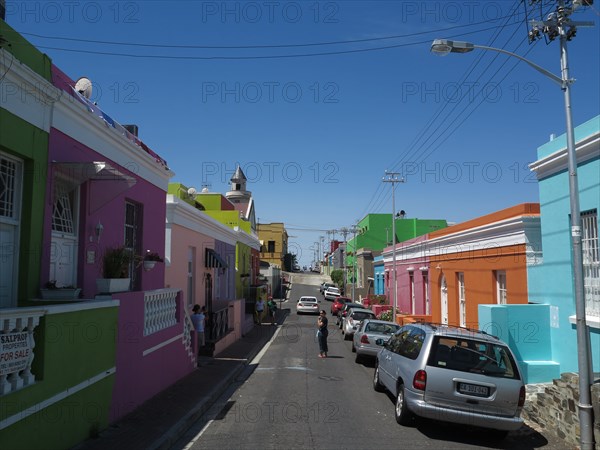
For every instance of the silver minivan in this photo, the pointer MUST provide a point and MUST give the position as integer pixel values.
(451, 374)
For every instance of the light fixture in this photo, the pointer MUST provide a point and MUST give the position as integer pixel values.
(442, 47)
(99, 229)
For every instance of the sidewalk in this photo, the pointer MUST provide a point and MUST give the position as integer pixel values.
(158, 423)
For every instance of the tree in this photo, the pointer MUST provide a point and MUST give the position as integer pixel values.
(337, 276)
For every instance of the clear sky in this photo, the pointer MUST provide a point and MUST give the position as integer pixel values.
(316, 100)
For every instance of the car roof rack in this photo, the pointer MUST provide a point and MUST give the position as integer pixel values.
(435, 326)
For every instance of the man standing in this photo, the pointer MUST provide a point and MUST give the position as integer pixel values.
(199, 319)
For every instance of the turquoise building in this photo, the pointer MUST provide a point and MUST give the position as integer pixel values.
(543, 333)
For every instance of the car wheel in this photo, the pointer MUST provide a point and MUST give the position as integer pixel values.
(347, 336)
(358, 358)
(403, 415)
(376, 383)
(497, 435)
(353, 348)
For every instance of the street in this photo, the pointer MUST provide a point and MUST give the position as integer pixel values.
(290, 398)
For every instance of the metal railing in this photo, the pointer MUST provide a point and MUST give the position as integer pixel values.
(218, 324)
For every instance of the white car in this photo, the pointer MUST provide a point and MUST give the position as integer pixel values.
(331, 293)
(307, 304)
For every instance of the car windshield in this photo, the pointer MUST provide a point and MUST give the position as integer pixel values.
(468, 355)
(362, 315)
(308, 300)
(382, 328)
(333, 290)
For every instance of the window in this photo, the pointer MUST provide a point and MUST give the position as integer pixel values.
(591, 262)
(426, 293)
(411, 345)
(462, 301)
(413, 304)
(501, 287)
(271, 246)
(191, 277)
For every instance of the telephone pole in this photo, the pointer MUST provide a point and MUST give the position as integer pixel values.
(392, 177)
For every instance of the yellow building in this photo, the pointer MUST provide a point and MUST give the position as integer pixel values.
(273, 242)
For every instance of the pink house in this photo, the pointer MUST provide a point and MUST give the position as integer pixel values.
(107, 189)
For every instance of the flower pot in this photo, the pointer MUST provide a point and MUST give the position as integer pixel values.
(60, 294)
(110, 285)
(149, 265)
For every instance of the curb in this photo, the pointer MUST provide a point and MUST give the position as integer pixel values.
(184, 424)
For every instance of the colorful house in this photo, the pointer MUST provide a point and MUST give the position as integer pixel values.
(200, 257)
(274, 242)
(90, 184)
(543, 334)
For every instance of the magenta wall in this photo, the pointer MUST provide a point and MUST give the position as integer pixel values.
(139, 377)
(97, 205)
(404, 297)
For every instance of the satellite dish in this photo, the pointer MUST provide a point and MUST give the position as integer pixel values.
(191, 191)
(84, 87)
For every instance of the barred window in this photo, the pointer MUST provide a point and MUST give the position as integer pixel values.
(591, 261)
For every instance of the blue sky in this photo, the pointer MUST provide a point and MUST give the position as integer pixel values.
(315, 134)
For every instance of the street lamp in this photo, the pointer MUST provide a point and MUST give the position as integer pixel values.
(558, 25)
(392, 177)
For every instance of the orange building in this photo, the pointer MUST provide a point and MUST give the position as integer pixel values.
(483, 261)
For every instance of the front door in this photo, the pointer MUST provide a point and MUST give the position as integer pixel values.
(444, 299)
(11, 184)
(64, 240)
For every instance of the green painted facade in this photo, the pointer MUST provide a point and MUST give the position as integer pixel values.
(26, 53)
(30, 144)
(375, 232)
(71, 348)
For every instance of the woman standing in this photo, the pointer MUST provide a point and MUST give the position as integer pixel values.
(322, 334)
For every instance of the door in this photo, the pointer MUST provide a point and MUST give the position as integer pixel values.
(11, 184)
(444, 299)
(64, 240)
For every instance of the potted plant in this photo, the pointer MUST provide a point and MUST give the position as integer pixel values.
(51, 291)
(115, 270)
(150, 259)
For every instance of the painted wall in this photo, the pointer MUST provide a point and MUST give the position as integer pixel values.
(378, 269)
(73, 363)
(552, 281)
(25, 52)
(133, 383)
(101, 202)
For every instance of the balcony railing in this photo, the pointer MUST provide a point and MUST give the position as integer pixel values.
(16, 347)
(160, 310)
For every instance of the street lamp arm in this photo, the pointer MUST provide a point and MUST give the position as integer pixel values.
(543, 71)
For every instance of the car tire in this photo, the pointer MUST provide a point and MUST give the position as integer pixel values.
(347, 336)
(497, 435)
(403, 415)
(358, 358)
(353, 348)
(377, 386)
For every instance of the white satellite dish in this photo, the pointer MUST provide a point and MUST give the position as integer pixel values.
(191, 191)
(84, 87)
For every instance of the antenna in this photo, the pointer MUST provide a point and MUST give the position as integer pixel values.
(84, 87)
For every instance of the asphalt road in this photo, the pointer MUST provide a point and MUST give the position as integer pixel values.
(289, 398)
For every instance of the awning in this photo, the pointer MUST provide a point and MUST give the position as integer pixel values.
(76, 173)
(212, 259)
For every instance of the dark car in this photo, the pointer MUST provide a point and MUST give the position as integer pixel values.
(344, 311)
(338, 304)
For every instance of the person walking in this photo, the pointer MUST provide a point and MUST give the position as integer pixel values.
(259, 310)
(272, 309)
(199, 320)
(322, 334)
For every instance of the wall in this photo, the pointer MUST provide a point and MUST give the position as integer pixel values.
(141, 360)
(74, 367)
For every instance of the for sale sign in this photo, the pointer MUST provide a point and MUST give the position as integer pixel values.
(15, 351)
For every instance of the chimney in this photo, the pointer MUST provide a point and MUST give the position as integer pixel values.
(133, 129)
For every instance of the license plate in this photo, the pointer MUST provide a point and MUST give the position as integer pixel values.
(473, 389)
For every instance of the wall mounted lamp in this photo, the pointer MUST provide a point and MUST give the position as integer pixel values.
(98, 230)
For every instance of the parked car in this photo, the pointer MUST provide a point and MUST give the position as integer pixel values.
(453, 374)
(342, 312)
(331, 293)
(307, 304)
(325, 285)
(371, 331)
(353, 319)
(338, 304)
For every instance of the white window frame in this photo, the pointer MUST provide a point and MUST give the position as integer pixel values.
(591, 262)
(501, 292)
(462, 300)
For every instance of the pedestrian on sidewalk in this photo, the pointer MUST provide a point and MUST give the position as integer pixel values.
(259, 310)
(322, 334)
(272, 309)
(199, 321)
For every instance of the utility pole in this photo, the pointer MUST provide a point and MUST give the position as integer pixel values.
(392, 177)
(344, 232)
(354, 229)
(558, 24)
